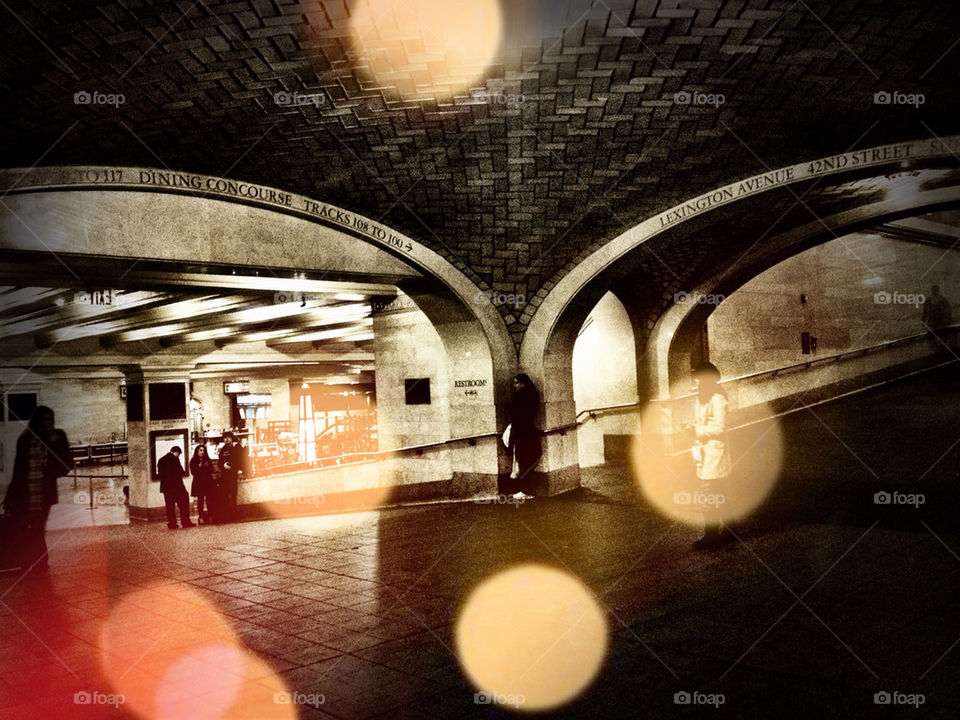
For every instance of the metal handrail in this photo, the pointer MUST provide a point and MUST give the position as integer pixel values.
(886, 345)
(593, 412)
(804, 406)
(353, 458)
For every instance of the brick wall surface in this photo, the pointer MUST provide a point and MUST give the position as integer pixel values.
(513, 193)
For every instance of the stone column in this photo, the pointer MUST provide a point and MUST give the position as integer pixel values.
(559, 468)
(428, 335)
(409, 364)
(149, 432)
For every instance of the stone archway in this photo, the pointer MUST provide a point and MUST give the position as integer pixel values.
(88, 215)
(666, 365)
(547, 343)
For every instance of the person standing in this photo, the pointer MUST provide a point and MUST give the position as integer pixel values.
(175, 495)
(711, 450)
(524, 442)
(202, 488)
(42, 456)
(937, 312)
(232, 458)
(936, 316)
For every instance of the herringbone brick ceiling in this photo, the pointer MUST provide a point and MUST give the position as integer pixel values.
(566, 137)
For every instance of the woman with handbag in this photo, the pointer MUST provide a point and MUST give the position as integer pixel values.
(524, 437)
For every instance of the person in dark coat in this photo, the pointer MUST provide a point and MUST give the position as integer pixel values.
(171, 485)
(203, 487)
(525, 436)
(233, 463)
(42, 455)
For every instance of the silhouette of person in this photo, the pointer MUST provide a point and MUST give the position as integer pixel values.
(175, 495)
(937, 312)
(42, 455)
(524, 442)
(937, 315)
(233, 463)
(711, 450)
(203, 487)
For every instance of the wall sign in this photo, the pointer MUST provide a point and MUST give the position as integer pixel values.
(204, 186)
(417, 391)
(161, 442)
(99, 297)
(784, 176)
(469, 383)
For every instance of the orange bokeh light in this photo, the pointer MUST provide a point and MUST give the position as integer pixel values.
(665, 471)
(531, 637)
(427, 47)
(174, 657)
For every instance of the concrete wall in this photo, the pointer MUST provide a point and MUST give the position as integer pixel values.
(758, 327)
(604, 374)
(88, 410)
(406, 345)
(311, 490)
(216, 405)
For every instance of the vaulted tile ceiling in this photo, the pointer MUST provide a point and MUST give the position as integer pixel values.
(571, 133)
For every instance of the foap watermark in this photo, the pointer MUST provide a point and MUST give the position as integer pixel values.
(701, 499)
(899, 698)
(298, 99)
(685, 97)
(308, 500)
(100, 297)
(683, 297)
(684, 697)
(883, 297)
(497, 698)
(496, 298)
(283, 297)
(895, 97)
(313, 700)
(499, 98)
(99, 498)
(499, 499)
(85, 697)
(899, 498)
(95, 97)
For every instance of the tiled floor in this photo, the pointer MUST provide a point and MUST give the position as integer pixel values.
(800, 617)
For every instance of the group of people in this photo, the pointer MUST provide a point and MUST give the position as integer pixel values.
(43, 455)
(216, 492)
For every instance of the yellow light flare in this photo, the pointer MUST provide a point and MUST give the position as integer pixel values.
(433, 48)
(531, 638)
(664, 468)
(173, 656)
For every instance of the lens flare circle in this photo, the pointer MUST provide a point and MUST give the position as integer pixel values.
(202, 684)
(665, 470)
(531, 638)
(172, 655)
(433, 47)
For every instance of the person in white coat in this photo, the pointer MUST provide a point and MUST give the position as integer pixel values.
(711, 452)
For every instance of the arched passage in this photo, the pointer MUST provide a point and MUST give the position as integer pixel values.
(719, 234)
(604, 382)
(675, 338)
(86, 227)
